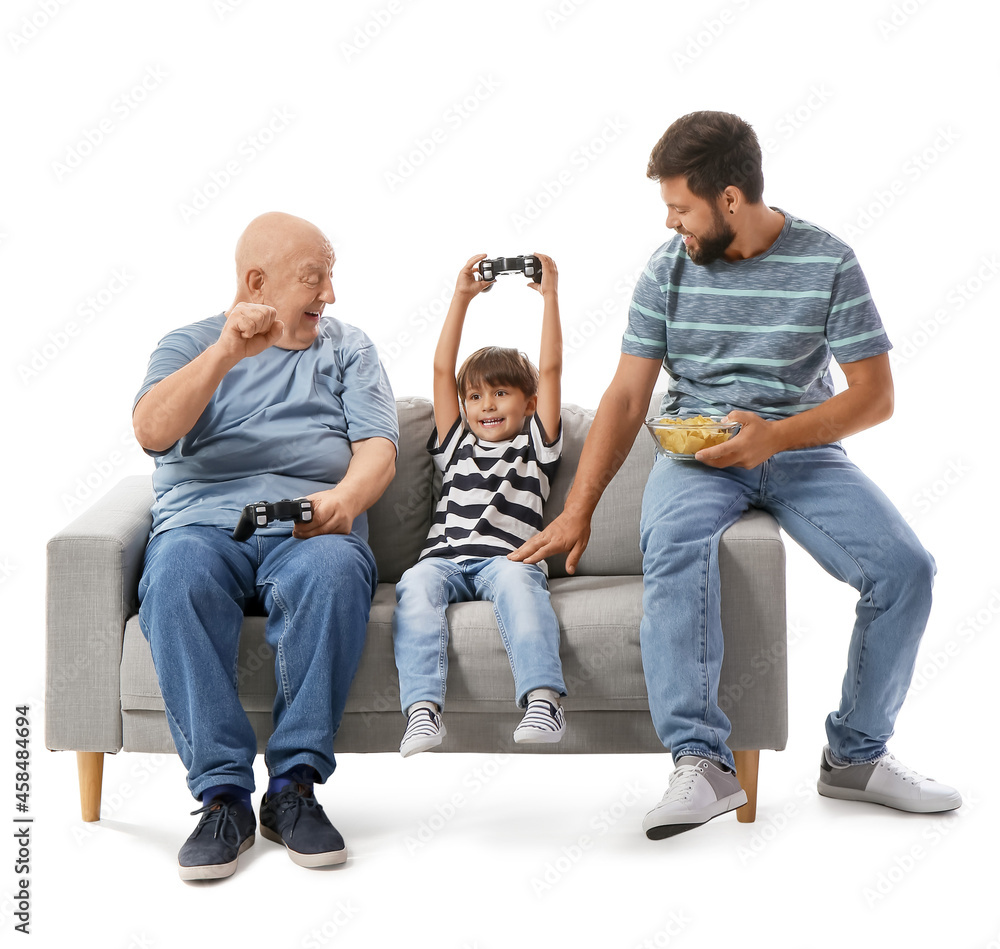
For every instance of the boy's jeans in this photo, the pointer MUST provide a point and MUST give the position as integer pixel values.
(317, 594)
(823, 501)
(520, 597)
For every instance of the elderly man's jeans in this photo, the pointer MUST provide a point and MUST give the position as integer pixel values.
(520, 596)
(824, 502)
(317, 595)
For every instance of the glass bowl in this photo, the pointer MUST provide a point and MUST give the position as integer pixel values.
(682, 437)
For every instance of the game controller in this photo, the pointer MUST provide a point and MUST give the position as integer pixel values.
(262, 513)
(529, 265)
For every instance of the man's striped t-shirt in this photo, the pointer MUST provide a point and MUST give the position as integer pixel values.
(754, 334)
(491, 492)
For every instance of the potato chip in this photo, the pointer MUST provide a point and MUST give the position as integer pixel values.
(689, 435)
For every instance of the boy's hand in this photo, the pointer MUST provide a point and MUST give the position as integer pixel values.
(550, 276)
(467, 284)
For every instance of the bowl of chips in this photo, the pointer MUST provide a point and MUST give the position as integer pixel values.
(682, 437)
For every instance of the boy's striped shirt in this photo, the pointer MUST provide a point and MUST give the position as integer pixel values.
(491, 492)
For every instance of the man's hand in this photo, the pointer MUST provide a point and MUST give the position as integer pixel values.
(330, 516)
(752, 445)
(250, 329)
(568, 532)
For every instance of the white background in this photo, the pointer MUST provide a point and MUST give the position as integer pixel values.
(138, 145)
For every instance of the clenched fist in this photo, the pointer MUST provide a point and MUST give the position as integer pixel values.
(250, 329)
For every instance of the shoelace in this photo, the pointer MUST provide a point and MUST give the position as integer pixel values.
(681, 782)
(294, 797)
(894, 766)
(221, 812)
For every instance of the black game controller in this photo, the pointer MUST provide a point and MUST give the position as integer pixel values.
(529, 265)
(263, 512)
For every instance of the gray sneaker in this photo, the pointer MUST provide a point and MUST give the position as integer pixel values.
(699, 789)
(887, 781)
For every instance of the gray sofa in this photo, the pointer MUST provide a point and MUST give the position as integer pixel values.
(102, 694)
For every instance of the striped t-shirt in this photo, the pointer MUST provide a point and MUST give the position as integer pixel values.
(491, 492)
(754, 334)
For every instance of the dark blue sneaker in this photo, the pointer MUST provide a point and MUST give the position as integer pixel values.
(295, 818)
(225, 830)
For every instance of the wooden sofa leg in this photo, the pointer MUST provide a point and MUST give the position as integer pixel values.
(90, 765)
(746, 770)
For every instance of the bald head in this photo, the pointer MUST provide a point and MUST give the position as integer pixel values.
(270, 238)
(284, 261)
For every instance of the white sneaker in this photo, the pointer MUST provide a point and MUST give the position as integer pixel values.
(887, 781)
(544, 722)
(698, 790)
(424, 730)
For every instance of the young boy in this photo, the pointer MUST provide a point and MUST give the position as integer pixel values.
(497, 465)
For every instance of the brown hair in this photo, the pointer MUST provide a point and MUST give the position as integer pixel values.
(712, 150)
(496, 365)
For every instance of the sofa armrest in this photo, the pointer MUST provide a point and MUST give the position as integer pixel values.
(752, 565)
(93, 569)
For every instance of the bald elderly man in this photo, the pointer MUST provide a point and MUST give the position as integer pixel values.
(271, 399)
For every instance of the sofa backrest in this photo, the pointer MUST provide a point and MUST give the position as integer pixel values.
(399, 521)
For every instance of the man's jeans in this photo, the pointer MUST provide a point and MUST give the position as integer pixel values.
(316, 593)
(520, 596)
(824, 502)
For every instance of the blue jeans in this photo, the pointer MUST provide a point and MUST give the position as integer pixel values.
(520, 596)
(316, 593)
(824, 502)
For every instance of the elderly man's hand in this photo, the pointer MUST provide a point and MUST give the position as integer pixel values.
(330, 515)
(250, 329)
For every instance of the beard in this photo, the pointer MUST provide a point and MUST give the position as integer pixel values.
(712, 246)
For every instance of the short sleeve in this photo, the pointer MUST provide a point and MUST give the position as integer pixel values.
(646, 333)
(369, 405)
(546, 454)
(175, 351)
(442, 454)
(854, 328)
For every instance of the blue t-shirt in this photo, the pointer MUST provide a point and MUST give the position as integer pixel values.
(754, 334)
(280, 425)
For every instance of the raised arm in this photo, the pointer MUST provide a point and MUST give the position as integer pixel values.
(550, 353)
(170, 409)
(621, 412)
(446, 394)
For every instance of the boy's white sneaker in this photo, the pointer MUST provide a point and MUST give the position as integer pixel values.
(886, 781)
(544, 722)
(424, 730)
(698, 790)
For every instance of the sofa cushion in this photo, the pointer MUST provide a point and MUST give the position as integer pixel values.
(599, 623)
